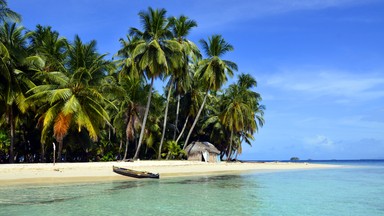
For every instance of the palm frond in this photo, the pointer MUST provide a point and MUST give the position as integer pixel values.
(60, 94)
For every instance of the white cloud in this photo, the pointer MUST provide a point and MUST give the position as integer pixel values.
(319, 142)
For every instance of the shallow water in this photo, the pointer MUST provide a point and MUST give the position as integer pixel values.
(346, 191)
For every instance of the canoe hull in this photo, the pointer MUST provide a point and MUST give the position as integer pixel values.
(134, 173)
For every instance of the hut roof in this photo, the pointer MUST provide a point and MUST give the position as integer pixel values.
(200, 147)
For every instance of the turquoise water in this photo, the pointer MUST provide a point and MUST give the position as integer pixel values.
(346, 191)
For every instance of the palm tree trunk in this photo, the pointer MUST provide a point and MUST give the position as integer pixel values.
(12, 133)
(60, 150)
(144, 121)
(177, 116)
(120, 147)
(196, 119)
(126, 150)
(168, 154)
(182, 131)
(230, 147)
(42, 152)
(165, 119)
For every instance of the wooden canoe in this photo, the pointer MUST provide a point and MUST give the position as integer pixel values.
(134, 173)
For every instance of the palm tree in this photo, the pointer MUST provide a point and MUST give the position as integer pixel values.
(72, 98)
(213, 128)
(133, 89)
(126, 63)
(130, 105)
(50, 46)
(212, 71)
(182, 78)
(154, 54)
(7, 14)
(191, 103)
(15, 80)
(241, 109)
(180, 28)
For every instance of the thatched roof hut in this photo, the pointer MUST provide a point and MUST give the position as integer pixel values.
(202, 151)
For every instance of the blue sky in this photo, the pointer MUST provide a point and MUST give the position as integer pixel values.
(319, 63)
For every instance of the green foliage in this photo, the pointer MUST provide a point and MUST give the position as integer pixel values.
(174, 150)
(108, 157)
(95, 108)
(4, 142)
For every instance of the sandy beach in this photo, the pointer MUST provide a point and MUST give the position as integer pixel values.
(102, 171)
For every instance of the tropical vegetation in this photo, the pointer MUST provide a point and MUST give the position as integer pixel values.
(61, 93)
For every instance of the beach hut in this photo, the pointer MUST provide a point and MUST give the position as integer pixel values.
(202, 151)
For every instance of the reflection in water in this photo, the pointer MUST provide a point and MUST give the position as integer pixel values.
(145, 197)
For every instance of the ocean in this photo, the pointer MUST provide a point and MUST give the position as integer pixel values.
(357, 190)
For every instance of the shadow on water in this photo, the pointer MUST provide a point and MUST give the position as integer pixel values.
(124, 185)
(221, 181)
(38, 195)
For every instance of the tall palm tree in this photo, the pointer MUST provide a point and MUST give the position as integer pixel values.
(241, 110)
(132, 84)
(181, 28)
(213, 127)
(191, 103)
(212, 71)
(126, 63)
(131, 106)
(7, 14)
(72, 98)
(50, 46)
(15, 80)
(180, 75)
(154, 54)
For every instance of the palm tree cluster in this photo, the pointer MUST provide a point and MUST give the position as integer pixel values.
(59, 92)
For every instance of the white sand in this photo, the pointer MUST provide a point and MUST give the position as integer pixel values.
(102, 171)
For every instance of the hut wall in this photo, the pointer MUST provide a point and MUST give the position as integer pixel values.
(195, 157)
(213, 158)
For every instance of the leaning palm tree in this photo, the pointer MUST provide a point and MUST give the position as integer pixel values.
(7, 14)
(154, 54)
(212, 71)
(72, 98)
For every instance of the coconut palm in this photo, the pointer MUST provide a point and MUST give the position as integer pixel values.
(126, 63)
(182, 77)
(132, 85)
(50, 46)
(241, 110)
(154, 54)
(7, 14)
(214, 129)
(15, 80)
(192, 93)
(131, 106)
(71, 99)
(212, 71)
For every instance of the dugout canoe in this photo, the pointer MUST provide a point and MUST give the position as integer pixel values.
(134, 173)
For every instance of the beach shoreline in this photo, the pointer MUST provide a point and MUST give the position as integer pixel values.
(47, 173)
